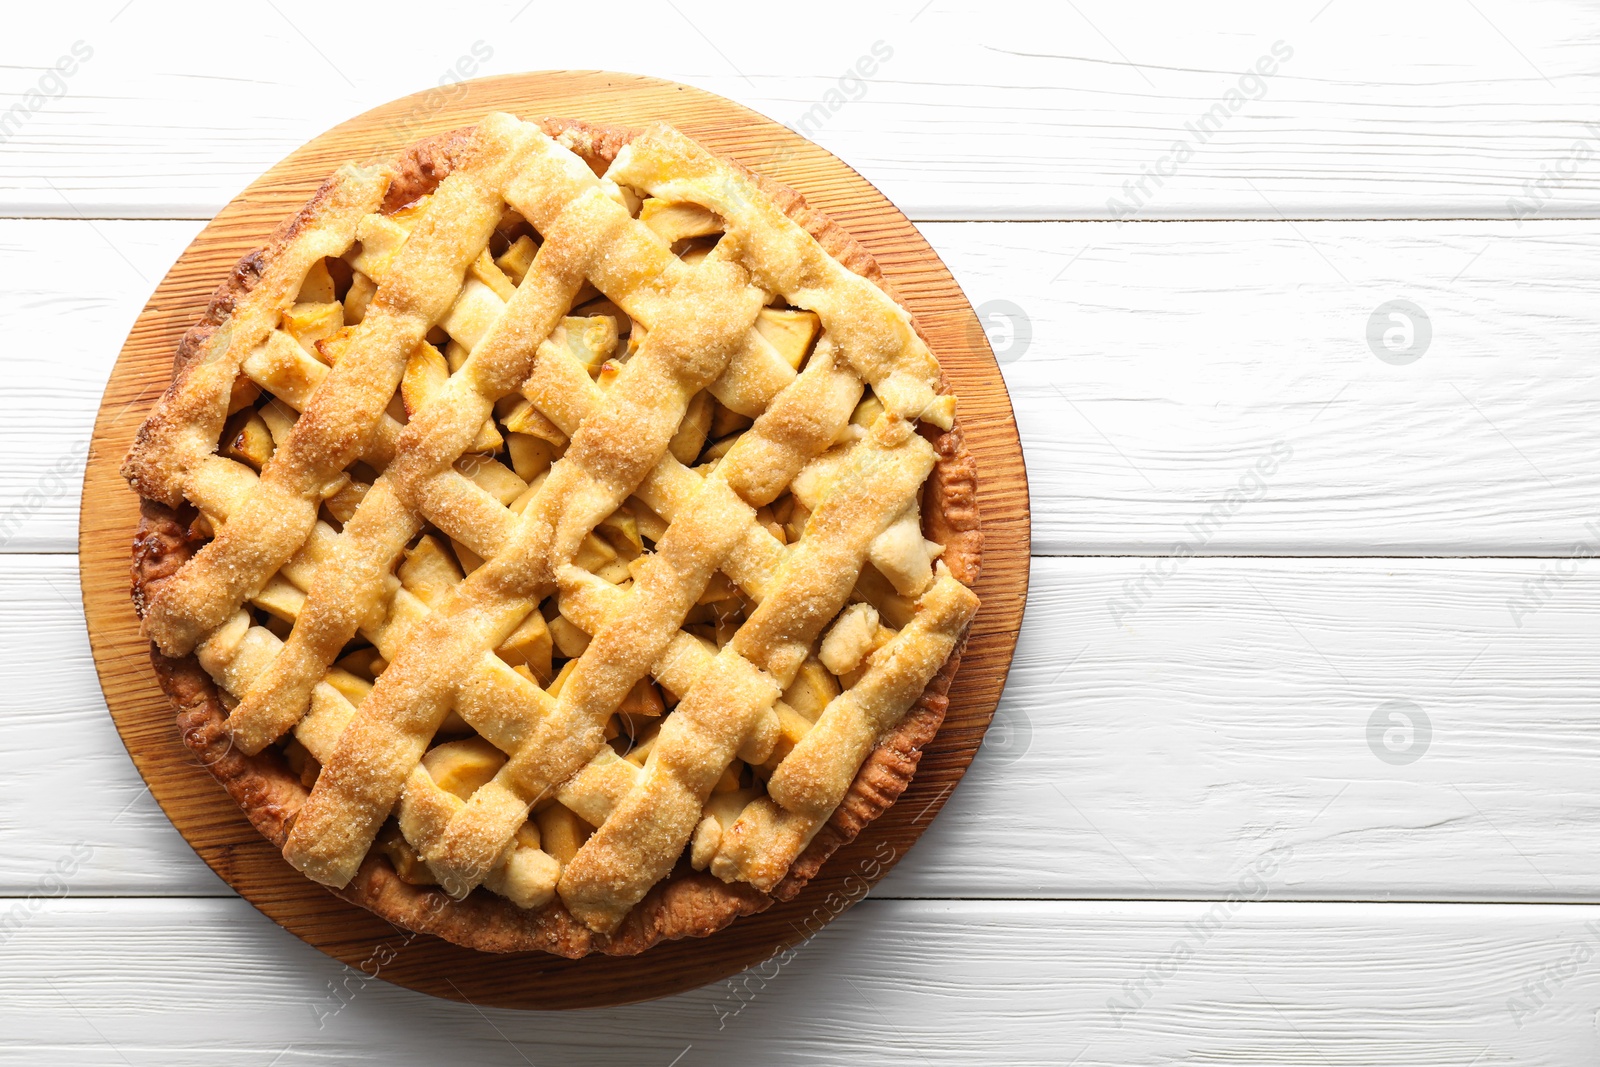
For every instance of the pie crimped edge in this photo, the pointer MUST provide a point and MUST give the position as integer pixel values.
(686, 903)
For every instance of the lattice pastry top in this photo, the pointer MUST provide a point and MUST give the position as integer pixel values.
(555, 506)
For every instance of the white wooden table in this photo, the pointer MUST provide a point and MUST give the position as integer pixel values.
(1186, 840)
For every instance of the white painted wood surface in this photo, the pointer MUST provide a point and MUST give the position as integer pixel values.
(1158, 363)
(1426, 110)
(919, 982)
(1175, 729)
(1158, 755)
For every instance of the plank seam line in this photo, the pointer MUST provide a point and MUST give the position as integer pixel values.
(1301, 555)
(1285, 556)
(1465, 902)
(983, 219)
(1165, 220)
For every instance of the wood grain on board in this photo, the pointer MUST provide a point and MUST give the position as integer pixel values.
(220, 833)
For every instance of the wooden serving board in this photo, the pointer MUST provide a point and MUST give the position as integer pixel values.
(214, 826)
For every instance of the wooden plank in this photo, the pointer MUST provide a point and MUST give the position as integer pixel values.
(57, 741)
(184, 982)
(69, 291)
(1160, 733)
(1186, 351)
(220, 832)
(1157, 755)
(977, 111)
(1172, 365)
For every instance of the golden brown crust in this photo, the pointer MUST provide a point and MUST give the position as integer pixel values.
(688, 903)
(419, 170)
(145, 480)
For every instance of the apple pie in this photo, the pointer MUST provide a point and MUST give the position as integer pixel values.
(556, 537)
